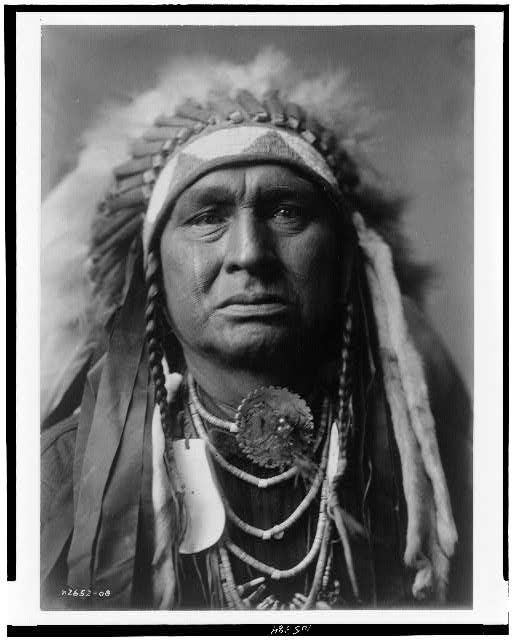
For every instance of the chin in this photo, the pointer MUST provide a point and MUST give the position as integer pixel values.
(256, 346)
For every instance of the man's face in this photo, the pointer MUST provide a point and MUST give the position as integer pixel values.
(251, 265)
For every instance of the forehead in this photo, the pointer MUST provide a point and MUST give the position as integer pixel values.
(248, 181)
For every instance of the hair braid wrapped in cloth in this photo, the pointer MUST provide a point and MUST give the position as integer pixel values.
(164, 564)
(431, 529)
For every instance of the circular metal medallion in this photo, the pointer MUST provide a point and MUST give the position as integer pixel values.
(275, 427)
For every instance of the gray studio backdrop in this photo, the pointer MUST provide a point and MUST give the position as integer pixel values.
(420, 78)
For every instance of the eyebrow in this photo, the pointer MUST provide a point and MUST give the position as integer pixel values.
(276, 192)
(218, 194)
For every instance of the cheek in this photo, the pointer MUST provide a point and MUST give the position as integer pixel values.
(187, 275)
(314, 264)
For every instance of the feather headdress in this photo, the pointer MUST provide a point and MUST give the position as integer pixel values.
(74, 305)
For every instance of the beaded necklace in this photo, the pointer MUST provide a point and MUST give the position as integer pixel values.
(319, 548)
(278, 530)
(233, 593)
(227, 425)
(261, 483)
(282, 574)
(231, 425)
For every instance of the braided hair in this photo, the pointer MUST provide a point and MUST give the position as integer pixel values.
(153, 319)
(344, 391)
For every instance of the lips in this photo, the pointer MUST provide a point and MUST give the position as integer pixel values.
(252, 305)
(251, 299)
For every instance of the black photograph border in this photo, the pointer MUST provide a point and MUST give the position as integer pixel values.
(95, 630)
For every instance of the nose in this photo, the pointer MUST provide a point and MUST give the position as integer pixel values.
(250, 245)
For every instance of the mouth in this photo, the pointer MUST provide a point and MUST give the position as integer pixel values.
(255, 306)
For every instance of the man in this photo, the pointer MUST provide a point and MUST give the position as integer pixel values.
(258, 433)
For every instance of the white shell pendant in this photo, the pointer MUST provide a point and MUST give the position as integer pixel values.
(333, 453)
(205, 511)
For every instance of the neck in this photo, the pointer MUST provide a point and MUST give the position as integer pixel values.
(229, 385)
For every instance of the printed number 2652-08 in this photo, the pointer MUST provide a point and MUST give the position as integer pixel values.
(84, 593)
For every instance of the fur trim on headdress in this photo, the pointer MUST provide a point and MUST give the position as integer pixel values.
(431, 530)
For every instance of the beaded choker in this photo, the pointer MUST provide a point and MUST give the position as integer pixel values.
(273, 427)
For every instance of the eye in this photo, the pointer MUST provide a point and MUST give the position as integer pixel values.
(290, 214)
(287, 211)
(209, 218)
